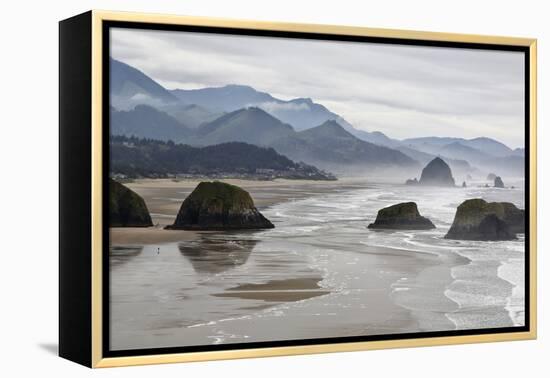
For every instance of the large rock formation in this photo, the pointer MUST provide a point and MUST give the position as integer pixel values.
(477, 219)
(437, 173)
(514, 217)
(126, 207)
(498, 182)
(219, 206)
(403, 216)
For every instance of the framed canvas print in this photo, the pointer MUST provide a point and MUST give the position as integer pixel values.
(235, 189)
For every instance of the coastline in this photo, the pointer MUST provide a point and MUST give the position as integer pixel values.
(165, 196)
(287, 283)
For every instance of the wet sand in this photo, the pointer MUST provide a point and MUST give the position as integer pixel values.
(372, 305)
(149, 235)
(289, 290)
(306, 278)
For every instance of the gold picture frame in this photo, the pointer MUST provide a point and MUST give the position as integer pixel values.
(92, 24)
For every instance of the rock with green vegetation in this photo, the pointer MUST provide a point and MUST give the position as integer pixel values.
(403, 216)
(126, 207)
(475, 220)
(498, 182)
(437, 173)
(514, 217)
(219, 206)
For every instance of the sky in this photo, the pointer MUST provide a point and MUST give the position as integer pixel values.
(402, 91)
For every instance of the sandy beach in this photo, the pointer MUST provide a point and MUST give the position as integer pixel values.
(320, 273)
(165, 196)
(289, 290)
(257, 306)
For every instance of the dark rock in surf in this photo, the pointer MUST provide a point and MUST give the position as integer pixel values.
(437, 173)
(475, 220)
(403, 216)
(126, 207)
(498, 182)
(411, 182)
(219, 206)
(493, 228)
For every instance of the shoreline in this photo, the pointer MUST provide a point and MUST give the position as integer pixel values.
(264, 302)
(363, 289)
(164, 197)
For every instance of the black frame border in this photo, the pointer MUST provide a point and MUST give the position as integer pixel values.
(105, 103)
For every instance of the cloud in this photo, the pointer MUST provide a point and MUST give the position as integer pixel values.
(403, 91)
(283, 106)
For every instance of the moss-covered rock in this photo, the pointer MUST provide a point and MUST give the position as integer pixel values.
(437, 173)
(126, 207)
(403, 216)
(219, 206)
(474, 220)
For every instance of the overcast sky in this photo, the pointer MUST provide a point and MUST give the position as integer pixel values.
(403, 91)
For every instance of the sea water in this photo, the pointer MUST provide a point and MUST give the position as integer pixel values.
(379, 282)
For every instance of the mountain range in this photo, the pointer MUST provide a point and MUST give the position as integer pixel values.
(299, 128)
(130, 87)
(332, 147)
(250, 125)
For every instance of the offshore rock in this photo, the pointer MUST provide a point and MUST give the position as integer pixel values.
(437, 173)
(477, 219)
(403, 216)
(219, 206)
(126, 207)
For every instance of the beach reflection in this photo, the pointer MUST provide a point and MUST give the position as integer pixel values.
(214, 254)
(120, 255)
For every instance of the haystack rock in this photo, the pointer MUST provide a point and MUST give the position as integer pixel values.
(477, 219)
(437, 173)
(498, 182)
(126, 207)
(403, 216)
(219, 206)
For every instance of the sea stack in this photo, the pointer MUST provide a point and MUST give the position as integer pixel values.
(403, 216)
(498, 182)
(126, 207)
(477, 219)
(437, 173)
(219, 206)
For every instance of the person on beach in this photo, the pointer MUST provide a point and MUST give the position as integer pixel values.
(158, 251)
